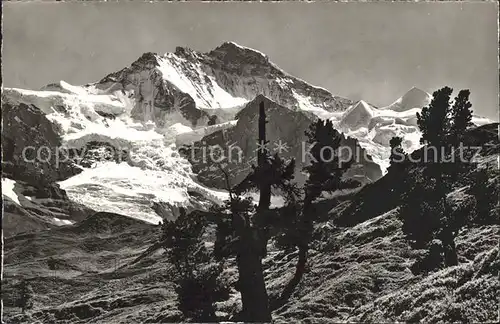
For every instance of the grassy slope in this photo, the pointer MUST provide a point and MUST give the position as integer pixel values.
(362, 275)
(357, 274)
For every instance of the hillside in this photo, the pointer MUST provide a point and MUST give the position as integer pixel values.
(110, 268)
(286, 136)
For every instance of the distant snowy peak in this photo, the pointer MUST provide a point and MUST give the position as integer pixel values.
(414, 98)
(229, 76)
(479, 121)
(359, 115)
(232, 52)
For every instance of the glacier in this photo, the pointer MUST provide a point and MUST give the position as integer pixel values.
(154, 172)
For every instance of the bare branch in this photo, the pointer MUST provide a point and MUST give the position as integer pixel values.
(228, 183)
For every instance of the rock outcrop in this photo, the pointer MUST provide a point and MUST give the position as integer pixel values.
(33, 163)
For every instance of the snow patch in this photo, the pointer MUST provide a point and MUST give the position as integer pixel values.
(62, 221)
(8, 189)
(374, 128)
(413, 98)
(479, 121)
(207, 93)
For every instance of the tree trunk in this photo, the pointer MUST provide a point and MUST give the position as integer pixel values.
(450, 252)
(305, 234)
(292, 284)
(264, 198)
(263, 163)
(251, 283)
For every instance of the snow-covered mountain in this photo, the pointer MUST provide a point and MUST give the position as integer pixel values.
(285, 132)
(374, 127)
(197, 84)
(145, 112)
(414, 98)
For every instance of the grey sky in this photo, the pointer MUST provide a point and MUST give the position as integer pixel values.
(371, 51)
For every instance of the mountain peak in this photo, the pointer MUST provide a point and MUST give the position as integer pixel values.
(415, 91)
(358, 116)
(413, 98)
(363, 103)
(185, 52)
(148, 58)
(233, 51)
(229, 46)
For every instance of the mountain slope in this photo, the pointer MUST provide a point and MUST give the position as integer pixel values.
(110, 269)
(194, 83)
(413, 98)
(285, 132)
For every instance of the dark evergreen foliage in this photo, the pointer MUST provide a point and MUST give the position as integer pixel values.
(212, 120)
(425, 210)
(325, 171)
(434, 121)
(461, 117)
(398, 155)
(326, 166)
(197, 276)
(427, 215)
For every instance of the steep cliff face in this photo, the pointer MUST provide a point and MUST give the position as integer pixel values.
(236, 147)
(154, 97)
(29, 142)
(31, 166)
(258, 75)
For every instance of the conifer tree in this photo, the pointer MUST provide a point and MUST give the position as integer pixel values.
(325, 171)
(26, 296)
(461, 117)
(427, 215)
(197, 276)
(434, 120)
(271, 172)
(325, 175)
(246, 232)
(425, 210)
(398, 155)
